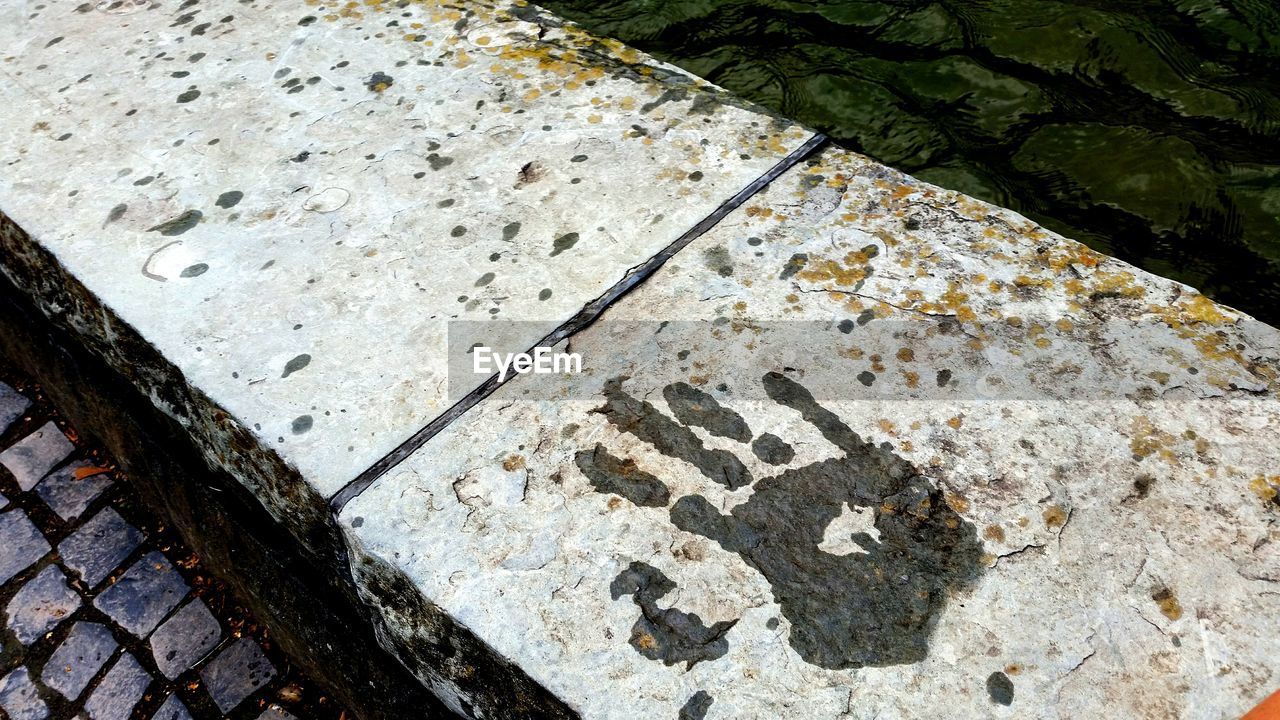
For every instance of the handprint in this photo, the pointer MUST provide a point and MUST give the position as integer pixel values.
(871, 608)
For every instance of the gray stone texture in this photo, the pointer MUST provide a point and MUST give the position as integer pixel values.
(99, 546)
(185, 638)
(143, 595)
(235, 673)
(275, 712)
(12, 405)
(20, 698)
(21, 544)
(36, 454)
(121, 688)
(172, 709)
(80, 656)
(40, 605)
(69, 495)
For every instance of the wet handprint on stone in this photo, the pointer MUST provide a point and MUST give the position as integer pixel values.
(874, 607)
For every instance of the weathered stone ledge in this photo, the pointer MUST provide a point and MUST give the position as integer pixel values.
(863, 447)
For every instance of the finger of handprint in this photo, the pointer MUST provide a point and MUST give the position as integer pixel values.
(789, 393)
(692, 513)
(694, 407)
(609, 474)
(670, 438)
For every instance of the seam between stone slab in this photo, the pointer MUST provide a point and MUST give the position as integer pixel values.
(584, 317)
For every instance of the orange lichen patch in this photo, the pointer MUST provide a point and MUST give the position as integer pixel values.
(955, 422)
(1012, 669)
(957, 502)
(851, 270)
(513, 462)
(994, 533)
(887, 426)
(1168, 603)
(912, 379)
(1148, 440)
(1116, 284)
(1264, 488)
(1054, 517)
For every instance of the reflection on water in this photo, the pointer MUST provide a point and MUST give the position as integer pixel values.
(1149, 129)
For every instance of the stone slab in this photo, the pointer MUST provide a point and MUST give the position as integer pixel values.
(35, 455)
(289, 203)
(868, 448)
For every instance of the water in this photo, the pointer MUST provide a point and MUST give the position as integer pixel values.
(1149, 129)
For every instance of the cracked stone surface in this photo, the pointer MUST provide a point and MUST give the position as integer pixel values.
(36, 454)
(866, 448)
(40, 605)
(294, 181)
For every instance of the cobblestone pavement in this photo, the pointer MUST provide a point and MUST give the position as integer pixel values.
(107, 615)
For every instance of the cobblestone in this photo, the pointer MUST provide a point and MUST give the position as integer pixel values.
(12, 405)
(99, 546)
(78, 659)
(185, 638)
(20, 698)
(172, 709)
(120, 622)
(35, 455)
(70, 490)
(147, 591)
(236, 673)
(20, 544)
(119, 691)
(41, 604)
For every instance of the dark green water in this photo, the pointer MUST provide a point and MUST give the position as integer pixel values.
(1149, 129)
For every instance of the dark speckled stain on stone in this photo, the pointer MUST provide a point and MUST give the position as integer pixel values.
(294, 365)
(875, 608)
(696, 707)
(717, 259)
(564, 242)
(301, 424)
(178, 225)
(1000, 688)
(229, 199)
(379, 81)
(609, 474)
(188, 96)
(793, 266)
(195, 270)
(669, 635)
